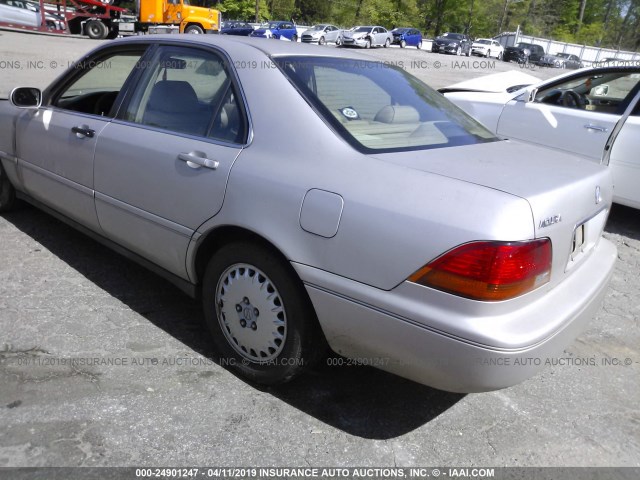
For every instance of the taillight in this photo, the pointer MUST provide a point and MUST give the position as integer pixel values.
(489, 271)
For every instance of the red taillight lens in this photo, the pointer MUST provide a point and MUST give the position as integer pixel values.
(489, 270)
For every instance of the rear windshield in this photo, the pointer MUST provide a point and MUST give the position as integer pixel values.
(380, 108)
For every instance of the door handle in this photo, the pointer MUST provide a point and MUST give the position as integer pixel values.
(82, 132)
(597, 128)
(195, 161)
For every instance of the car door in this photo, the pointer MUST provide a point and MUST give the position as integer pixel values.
(585, 130)
(55, 144)
(331, 34)
(496, 49)
(417, 37)
(161, 167)
(287, 30)
(625, 161)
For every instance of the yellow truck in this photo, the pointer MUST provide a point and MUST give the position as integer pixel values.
(190, 19)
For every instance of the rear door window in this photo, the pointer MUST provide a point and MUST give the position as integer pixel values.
(190, 91)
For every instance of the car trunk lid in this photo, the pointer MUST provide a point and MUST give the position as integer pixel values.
(569, 197)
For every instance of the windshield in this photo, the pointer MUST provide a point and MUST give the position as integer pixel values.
(483, 41)
(401, 30)
(454, 36)
(524, 45)
(274, 26)
(318, 27)
(363, 29)
(562, 55)
(378, 108)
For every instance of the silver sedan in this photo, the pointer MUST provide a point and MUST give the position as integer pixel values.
(347, 205)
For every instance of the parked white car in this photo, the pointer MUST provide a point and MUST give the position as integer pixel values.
(594, 112)
(486, 47)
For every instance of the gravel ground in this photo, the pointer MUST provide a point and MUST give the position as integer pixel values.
(163, 402)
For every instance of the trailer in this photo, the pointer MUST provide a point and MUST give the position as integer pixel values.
(100, 19)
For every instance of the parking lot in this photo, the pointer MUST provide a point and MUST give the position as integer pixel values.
(104, 364)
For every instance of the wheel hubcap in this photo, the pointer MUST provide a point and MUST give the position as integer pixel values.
(251, 313)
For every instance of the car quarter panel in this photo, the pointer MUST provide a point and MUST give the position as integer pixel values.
(484, 107)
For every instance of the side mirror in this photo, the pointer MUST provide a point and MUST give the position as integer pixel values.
(529, 95)
(26, 97)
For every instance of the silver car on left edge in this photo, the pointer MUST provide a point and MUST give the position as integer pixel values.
(370, 215)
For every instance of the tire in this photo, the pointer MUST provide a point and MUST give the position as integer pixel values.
(322, 41)
(260, 316)
(459, 51)
(7, 192)
(96, 30)
(403, 44)
(387, 42)
(419, 46)
(338, 41)
(294, 38)
(367, 44)
(499, 56)
(469, 52)
(194, 30)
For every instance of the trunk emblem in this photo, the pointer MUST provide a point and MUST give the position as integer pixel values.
(598, 195)
(550, 221)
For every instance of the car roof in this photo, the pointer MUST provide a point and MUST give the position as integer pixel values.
(267, 47)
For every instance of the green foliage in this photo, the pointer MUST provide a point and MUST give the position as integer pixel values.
(313, 11)
(244, 10)
(282, 9)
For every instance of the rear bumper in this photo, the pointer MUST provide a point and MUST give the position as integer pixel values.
(367, 324)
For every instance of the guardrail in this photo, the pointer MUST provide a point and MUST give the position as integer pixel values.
(590, 55)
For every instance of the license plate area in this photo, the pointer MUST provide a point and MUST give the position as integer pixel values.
(577, 246)
(586, 236)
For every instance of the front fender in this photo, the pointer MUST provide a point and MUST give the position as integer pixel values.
(204, 22)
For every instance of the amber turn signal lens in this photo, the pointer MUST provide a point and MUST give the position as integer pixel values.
(490, 271)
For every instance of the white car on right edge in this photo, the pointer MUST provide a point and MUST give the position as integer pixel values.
(593, 112)
(486, 47)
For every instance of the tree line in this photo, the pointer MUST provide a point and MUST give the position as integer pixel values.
(605, 23)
